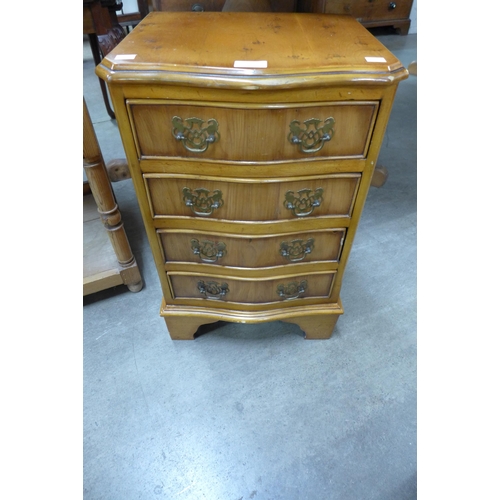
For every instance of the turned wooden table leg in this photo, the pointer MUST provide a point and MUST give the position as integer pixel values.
(106, 204)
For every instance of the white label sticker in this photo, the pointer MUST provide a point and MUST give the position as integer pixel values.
(250, 64)
(125, 56)
(375, 59)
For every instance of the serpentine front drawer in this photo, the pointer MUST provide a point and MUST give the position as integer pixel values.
(226, 132)
(256, 251)
(251, 199)
(247, 291)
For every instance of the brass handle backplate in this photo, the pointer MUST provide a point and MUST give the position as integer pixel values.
(208, 251)
(194, 135)
(304, 202)
(310, 137)
(201, 201)
(292, 290)
(296, 250)
(212, 289)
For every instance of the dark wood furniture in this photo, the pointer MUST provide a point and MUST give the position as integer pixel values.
(106, 28)
(220, 5)
(370, 13)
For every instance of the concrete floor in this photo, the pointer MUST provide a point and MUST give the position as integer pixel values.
(254, 411)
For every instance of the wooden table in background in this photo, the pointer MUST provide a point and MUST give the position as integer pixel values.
(108, 260)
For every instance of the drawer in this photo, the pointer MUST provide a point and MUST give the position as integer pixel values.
(255, 134)
(213, 5)
(370, 10)
(245, 291)
(193, 5)
(251, 251)
(251, 199)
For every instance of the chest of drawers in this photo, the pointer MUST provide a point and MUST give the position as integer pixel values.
(251, 140)
(370, 13)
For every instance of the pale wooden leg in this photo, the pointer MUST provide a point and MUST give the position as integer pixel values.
(135, 287)
(184, 327)
(107, 207)
(380, 175)
(316, 327)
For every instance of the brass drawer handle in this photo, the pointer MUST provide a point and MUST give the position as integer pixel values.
(212, 289)
(304, 202)
(194, 136)
(310, 137)
(201, 202)
(296, 250)
(292, 290)
(208, 251)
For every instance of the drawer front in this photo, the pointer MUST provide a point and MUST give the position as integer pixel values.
(370, 10)
(192, 5)
(272, 134)
(251, 251)
(255, 200)
(190, 286)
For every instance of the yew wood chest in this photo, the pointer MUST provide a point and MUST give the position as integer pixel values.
(251, 140)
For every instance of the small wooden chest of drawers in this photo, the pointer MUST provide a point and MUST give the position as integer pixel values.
(251, 139)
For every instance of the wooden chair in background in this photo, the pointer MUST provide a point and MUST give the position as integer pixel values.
(106, 28)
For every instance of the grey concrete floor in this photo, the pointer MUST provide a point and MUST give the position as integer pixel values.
(254, 411)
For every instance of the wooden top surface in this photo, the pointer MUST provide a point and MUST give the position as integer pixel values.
(272, 50)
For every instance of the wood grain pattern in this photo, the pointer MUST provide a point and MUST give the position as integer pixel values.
(254, 251)
(245, 200)
(254, 135)
(301, 50)
(186, 286)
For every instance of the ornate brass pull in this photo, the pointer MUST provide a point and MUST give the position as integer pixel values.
(292, 290)
(208, 251)
(311, 137)
(212, 289)
(296, 250)
(304, 202)
(193, 135)
(201, 202)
